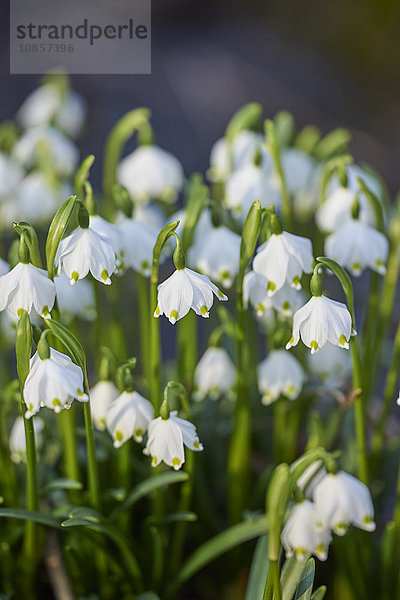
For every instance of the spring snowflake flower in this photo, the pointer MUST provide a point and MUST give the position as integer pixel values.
(128, 416)
(53, 382)
(353, 173)
(4, 267)
(107, 230)
(357, 246)
(215, 374)
(337, 209)
(149, 214)
(166, 440)
(218, 255)
(27, 287)
(311, 477)
(298, 168)
(101, 396)
(77, 301)
(11, 175)
(319, 321)
(150, 173)
(280, 374)
(283, 257)
(137, 242)
(286, 300)
(186, 289)
(83, 251)
(301, 536)
(225, 157)
(248, 184)
(342, 500)
(17, 441)
(330, 365)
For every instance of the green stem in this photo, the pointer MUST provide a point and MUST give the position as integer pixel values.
(396, 515)
(30, 541)
(93, 475)
(155, 344)
(176, 549)
(359, 414)
(66, 420)
(143, 312)
(239, 451)
(274, 569)
(187, 349)
(369, 333)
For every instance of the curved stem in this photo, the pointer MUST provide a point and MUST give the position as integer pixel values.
(155, 344)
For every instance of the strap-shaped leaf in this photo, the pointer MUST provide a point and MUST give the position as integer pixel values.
(319, 594)
(251, 231)
(277, 497)
(247, 117)
(284, 127)
(290, 576)
(304, 589)
(344, 279)
(31, 515)
(56, 231)
(259, 570)
(82, 175)
(23, 347)
(334, 142)
(31, 239)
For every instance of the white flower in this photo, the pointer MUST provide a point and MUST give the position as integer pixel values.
(53, 382)
(71, 114)
(186, 289)
(75, 301)
(17, 441)
(27, 287)
(150, 215)
(4, 267)
(218, 255)
(215, 374)
(343, 500)
(248, 184)
(283, 257)
(107, 230)
(286, 300)
(356, 246)
(353, 173)
(319, 321)
(300, 534)
(62, 151)
(137, 242)
(166, 438)
(101, 396)
(225, 157)
(330, 365)
(337, 209)
(280, 374)
(311, 477)
(11, 175)
(298, 168)
(128, 416)
(83, 251)
(150, 173)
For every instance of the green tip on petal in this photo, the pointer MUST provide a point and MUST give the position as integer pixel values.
(139, 434)
(176, 462)
(314, 346)
(173, 317)
(57, 403)
(196, 444)
(145, 265)
(271, 286)
(119, 436)
(296, 282)
(157, 311)
(204, 311)
(19, 312)
(104, 275)
(343, 341)
(74, 277)
(154, 461)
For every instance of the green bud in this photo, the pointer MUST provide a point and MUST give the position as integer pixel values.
(122, 200)
(251, 231)
(89, 199)
(164, 409)
(277, 497)
(257, 158)
(23, 251)
(355, 208)
(123, 376)
(275, 223)
(179, 255)
(330, 464)
(316, 284)
(107, 364)
(43, 347)
(83, 217)
(247, 117)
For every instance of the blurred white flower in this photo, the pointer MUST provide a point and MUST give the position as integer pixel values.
(353, 173)
(301, 536)
(128, 416)
(286, 300)
(215, 374)
(342, 500)
(150, 173)
(149, 214)
(27, 287)
(337, 209)
(248, 184)
(107, 230)
(183, 290)
(62, 151)
(330, 365)
(17, 441)
(319, 321)
(166, 440)
(356, 246)
(71, 114)
(225, 157)
(53, 382)
(311, 477)
(11, 175)
(137, 242)
(101, 396)
(83, 251)
(298, 168)
(75, 301)
(4, 267)
(218, 255)
(279, 374)
(283, 257)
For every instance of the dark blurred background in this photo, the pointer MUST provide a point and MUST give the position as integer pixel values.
(333, 63)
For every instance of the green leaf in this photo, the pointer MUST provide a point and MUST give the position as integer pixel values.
(247, 117)
(144, 488)
(319, 594)
(333, 143)
(82, 175)
(71, 343)
(148, 596)
(56, 231)
(218, 545)
(259, 570)
(304, 589)
(197, 195)
(62, 484)
(162, 238)
(31, 240)
(277, 497)
(251, 231)
(344, 279)
(23, 347)
(307, 139)
(290, 576)
(284, 127)
(185, 515)
(375, 204)
(30, 515)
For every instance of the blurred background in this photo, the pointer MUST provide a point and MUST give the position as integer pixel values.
(330, 63)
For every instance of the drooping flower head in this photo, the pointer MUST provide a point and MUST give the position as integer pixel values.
(280, 374)
(17, 440)
(128, 416)
(215, 374)
(300, 534)
(217, 256)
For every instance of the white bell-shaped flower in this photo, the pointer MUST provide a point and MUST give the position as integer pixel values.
(342, 500)
(226, 157)
(36, 199)
(149, 214)
(150, 173)
(107, 230)
(248, 184)
(356, 246)
(128, 416)
(283, 257)
(286, 300)
(215, 374)
(17, 440)
(319, 321)
(11, 175)
(63, 152)
(75, 301)
(166, 440)
(183, 290)
(53, 382)
(83, 251)
(337, 209)
(311, 477)
(330, 365)
(301, 536)
(280, 374)
(27, 287)
(137, 242)
(71, 114)
(101, 396)
(298, 168)
(218, 255)
(353, 173)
